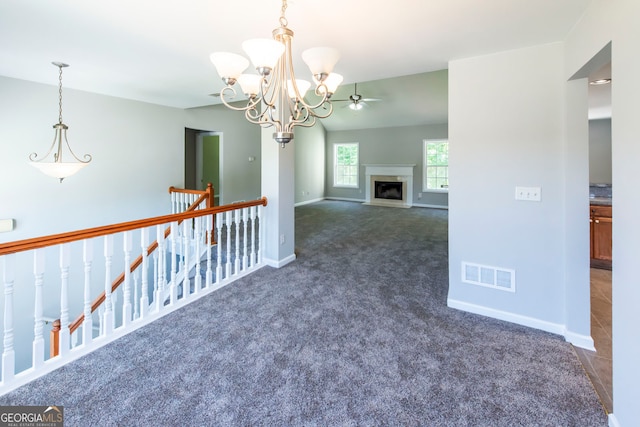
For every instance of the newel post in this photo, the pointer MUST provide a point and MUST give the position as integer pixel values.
(210, 200)
(54, 338)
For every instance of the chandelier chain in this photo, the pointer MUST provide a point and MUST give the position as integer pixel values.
(283, 19)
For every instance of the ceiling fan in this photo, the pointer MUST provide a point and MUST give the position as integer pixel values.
(356, 101)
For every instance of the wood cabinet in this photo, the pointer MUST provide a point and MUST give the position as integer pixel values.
(601, 242)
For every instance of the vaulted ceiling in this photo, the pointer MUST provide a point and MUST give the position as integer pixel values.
(158, 51)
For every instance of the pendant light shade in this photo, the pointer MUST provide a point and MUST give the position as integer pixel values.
(60, 161)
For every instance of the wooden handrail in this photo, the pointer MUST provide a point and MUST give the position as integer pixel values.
(89, 233)
(173, 189)
(208, 191)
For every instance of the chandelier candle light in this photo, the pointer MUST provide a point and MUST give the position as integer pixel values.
(275, 96)
(54, 165)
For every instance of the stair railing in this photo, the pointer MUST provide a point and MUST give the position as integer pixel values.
(173, 275)
(182, 200)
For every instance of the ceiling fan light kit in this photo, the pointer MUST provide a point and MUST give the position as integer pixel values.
(356, 101)
(275, 95)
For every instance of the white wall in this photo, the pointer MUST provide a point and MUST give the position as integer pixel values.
(309, 163)
(506, 130)
(600, 151)
(616, 21)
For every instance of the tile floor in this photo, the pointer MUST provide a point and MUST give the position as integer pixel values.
(598, 363)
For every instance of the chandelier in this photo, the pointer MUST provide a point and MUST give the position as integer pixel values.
(52, 163)
(275, 96)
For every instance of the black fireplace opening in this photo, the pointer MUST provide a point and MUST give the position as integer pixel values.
(390, 190)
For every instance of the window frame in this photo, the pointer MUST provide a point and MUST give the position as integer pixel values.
(336, 145)
(425, 166)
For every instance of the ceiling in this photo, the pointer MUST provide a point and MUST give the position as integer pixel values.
(158, 52)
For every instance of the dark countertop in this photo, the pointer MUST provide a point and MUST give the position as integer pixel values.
(601, 201)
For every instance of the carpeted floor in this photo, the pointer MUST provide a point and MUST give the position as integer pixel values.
(355, 332)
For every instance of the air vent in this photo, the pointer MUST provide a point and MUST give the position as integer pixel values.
(503, 279)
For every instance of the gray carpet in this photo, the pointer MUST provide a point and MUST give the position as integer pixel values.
(356, 332)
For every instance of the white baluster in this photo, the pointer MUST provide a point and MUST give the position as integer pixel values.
(219, 247)
(144, 291)
(174, 208)
(174, 261)
(8, 353)
(63, 341)
(136, 286)
(186, 242)
(74, 339)
(160, 281)
(261, 231)
(208, 220)
(197, 256)
(101, 320)
(245, 257)
(38, 338)
(87, 323)
(126, 303)
(236, 263)
(228, 242)
(108, 303)
(253, 236)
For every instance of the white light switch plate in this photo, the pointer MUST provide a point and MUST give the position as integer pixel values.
(529, 194)
(6, 225)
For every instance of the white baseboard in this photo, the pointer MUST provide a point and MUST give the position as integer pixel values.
(579, 340)
(279, 263)
(613, 421)
(308, 202)
(424, 205)
(554, 328)
(346, 199)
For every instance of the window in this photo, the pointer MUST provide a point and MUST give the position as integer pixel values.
(345, 165)
(435, 160)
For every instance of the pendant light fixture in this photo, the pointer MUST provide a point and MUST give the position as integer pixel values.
(59, 162)
(275, 95)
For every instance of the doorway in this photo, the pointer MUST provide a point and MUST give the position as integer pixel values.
(598, 363)
(202, 161)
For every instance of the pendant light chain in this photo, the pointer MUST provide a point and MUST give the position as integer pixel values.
(60, 95)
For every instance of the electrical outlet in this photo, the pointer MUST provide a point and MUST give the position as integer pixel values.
(529, 194)
(282, 239)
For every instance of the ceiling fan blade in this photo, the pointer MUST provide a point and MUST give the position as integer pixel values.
(371, 99)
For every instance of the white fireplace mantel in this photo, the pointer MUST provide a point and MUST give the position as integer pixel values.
(401, 172)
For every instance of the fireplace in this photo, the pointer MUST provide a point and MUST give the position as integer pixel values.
(388, 190)
(389, 185)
